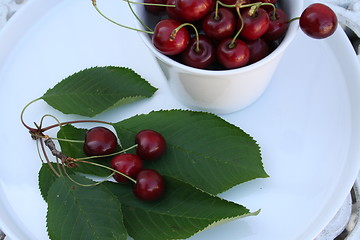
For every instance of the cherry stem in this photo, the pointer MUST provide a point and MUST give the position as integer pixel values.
(293, 19)
(106, 167)
(151, 4)
(121, 25)
(109, 155)
(136, 16)
(232, 44)
(175, 31)
(22, 115)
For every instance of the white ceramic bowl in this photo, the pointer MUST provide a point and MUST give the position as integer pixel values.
(221, 91)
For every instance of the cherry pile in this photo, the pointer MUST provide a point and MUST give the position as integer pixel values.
(228, 34)
(150, 145)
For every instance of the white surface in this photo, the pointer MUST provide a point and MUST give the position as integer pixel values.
(306, 122)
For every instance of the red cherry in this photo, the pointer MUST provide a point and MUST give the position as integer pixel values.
(255, 24)
(258, 49)
(199, 58)
(278, 25)
(149, 185)
(172, 11)
(150, 144)
(128, 164)
(318, 21)
(193, 10)
(232, 2)
(155, 9)
(233, 56)
(99, 141)
(168, 42)
(219, 25)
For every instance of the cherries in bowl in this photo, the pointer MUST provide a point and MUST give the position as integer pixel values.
(220, 90)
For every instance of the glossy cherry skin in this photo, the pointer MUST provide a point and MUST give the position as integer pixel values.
(166, 41)
(318, 21)
(259, 49)
(200, 57)
(255, 25)
(149, 185)
(193, 10)
(150, 144)
(219, 26)
(99, 141)
(128, 164)
(234, 56)
(278, 25)
(155, 9)
(172, 12)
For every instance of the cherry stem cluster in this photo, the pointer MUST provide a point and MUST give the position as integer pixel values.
(44, 141)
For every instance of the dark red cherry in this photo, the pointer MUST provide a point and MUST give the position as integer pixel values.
(149, 185)
(232, 2)
(155, 9)
(258, 49)
(150, 144)
(219, 24)
(265, 1)
(128, 164)
(166, 40)
(255, 23)
(193, 10)
(201, 55)
(318, 21)
(172, 11)
(233, 55)
(99, 141)
(278, 25)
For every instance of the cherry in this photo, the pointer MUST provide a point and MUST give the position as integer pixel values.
(278, 25)
(219, 24)
(149, 185)
(194, 10)
(155, 9)
(128, 164)
(99, 141)
(255, 23)
(318, 21)
(199, 54)
(233, 55)
(150, 144)
(258, 49)
(166, 40)
(172, 12)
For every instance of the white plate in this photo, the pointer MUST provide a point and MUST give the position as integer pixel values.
(307, 122)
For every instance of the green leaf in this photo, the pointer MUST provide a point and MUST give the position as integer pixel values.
(83, 213)
(182, 212)
(94, 90)
(47, 177)
(75, 150)
(202, 149)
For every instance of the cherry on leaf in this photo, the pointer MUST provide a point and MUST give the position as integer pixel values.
(150, 144)
(128, 164)
(99, 141)
(149, 185)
